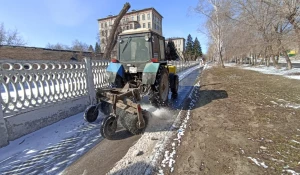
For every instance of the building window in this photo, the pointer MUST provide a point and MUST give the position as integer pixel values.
(127, 27)
(148, 16)
(132, 18)
(130, 26)
(138, 17)
(101, 25)
(110, 22)
(154, 26)
(144, 25)
(105, 24)
(149, 25)
(127, 19)
(143, 17)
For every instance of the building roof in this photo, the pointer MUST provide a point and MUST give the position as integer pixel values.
(139, 30)
(132, 12)
(173, 38)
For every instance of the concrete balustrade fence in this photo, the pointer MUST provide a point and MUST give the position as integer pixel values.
(35, 94)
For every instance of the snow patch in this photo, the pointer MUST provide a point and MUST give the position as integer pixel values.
(258, 163)
(272, 70)
(269, 70)
(291, 171)
(295, 141)
(286, 104)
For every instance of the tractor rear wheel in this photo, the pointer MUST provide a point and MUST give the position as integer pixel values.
(160, 90)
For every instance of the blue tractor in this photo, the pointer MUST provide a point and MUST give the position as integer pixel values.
(140, 69)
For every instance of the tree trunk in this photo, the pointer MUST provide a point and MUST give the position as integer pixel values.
(261, 61)
(297, 31)
(288, 61)
(268, 61)
(275, 63)
(221, 60)
(292, 20)
(111, 42)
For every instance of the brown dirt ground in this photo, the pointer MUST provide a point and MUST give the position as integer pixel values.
(241, 114)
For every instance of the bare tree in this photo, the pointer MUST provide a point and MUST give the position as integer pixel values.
(214, 11)
(79, 46)
(10, 37)
(113, 34)
(58, 46)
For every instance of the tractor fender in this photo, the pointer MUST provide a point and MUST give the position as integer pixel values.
(149, 73)
(113, 70)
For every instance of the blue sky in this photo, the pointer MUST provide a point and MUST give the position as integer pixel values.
(62, 21)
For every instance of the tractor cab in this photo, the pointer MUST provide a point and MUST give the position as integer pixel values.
(137, 47)
(140, 45)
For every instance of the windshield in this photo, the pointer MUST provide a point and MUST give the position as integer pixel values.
(134, 48)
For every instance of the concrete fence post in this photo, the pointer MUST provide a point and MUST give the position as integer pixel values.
(90, 81)
(3, 129)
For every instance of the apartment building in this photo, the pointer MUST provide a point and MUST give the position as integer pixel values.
(179, 44)
(145, 18)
